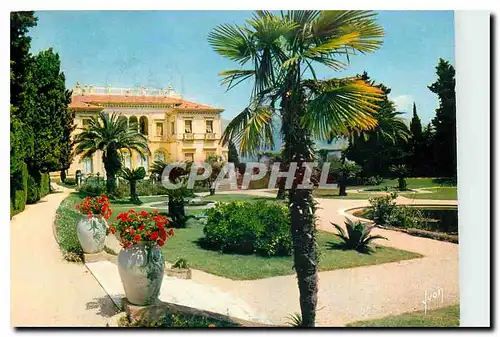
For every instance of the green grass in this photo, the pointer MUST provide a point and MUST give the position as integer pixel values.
(235, 197)
(443, 317)
(441, 193)
(249, 267)
(334, 194)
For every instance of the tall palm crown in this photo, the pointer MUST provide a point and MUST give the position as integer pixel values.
(110, 135)
(277, 51)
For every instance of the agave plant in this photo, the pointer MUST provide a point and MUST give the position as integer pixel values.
(358, 235)
(132, 176)
(294, 320)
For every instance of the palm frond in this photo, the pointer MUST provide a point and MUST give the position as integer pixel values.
(252, 129)
(337, 107)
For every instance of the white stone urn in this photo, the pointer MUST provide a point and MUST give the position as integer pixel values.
(91, 232)
(141, 269)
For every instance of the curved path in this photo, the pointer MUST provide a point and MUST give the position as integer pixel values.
(45, 289)
(369, 292)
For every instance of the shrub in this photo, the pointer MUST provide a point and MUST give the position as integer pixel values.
(382, 207)
(181, 264)
(93, 185)
(44, 184)
(19, 190)
(70, 181)
(67, 217)
(33, 194)
(249, 227)
(357, 236)
(373, 180)
(143, 188)
(406, 217)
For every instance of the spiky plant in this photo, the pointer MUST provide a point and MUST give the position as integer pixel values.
(133, 176)
(294, 320)
(357, 236)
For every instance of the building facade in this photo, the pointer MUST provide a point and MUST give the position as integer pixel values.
(177, 130)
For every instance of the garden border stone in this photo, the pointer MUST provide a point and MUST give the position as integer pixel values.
(156, 312)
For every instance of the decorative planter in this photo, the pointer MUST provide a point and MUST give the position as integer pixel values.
(141, 269)
(183, 273)
(91, 232)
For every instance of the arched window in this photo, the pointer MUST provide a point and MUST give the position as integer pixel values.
(87, 165)
(123, 118)
(160, 156)
(126, 160)
(132, 122)
(143, 125)
(144, 162)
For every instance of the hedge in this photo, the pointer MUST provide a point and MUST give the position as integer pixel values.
(19, 188)
(38, 186)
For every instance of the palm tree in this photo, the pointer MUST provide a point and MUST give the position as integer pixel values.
(344, 172)
(277, 52)
(217, 164)
(110, 134)
(401, 171)
(133, 176)
(176, 197)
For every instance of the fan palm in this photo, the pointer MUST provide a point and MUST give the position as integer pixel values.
(344, 172)
(133, 176)
(277, 52)
(110, 134)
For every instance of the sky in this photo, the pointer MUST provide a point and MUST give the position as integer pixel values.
(161, 48)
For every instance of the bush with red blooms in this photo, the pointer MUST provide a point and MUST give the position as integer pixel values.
(95, 206)
(135, 227)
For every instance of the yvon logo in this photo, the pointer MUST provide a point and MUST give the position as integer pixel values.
(430, 297)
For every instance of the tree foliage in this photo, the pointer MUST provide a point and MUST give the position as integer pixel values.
(445, 122)
(375, 150)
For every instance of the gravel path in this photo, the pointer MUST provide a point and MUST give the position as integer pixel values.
(46, 290)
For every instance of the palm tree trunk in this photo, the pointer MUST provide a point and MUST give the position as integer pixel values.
(112, 165)
(133, 190)
(298, 148)
(281, 189)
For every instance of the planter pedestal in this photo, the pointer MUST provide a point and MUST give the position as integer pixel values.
(179, 273)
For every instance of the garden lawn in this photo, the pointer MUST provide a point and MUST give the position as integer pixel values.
(443, 317)
(237, 197)
(250, 267)
(440, 193)
(334, 194)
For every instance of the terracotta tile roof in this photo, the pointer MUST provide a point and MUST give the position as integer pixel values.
(95, 101)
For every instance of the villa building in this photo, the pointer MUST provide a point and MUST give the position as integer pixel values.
(177, 130)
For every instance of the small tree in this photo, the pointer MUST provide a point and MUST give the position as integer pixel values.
(216, 163)
(345, 172)
(132, 176)
(176, 197)
(401, 172)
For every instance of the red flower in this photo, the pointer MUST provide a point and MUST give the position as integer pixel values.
(112, 230)
(160, 242)
(154, 236)
(132, 231)
(141, 227)
(144, 213)
(137, 238)
(163, 235)
(171, 232)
